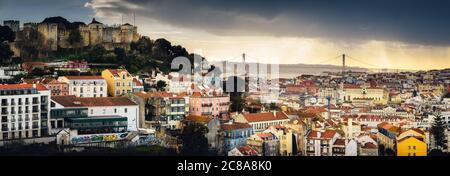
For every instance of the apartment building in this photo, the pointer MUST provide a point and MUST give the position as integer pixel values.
(119, 81)
(215, 105)
(24, 111)
(163, 108)
(101, 110)
(320, 143)
(85, 86)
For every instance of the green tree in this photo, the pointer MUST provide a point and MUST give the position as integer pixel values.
(143, 46)
(438, 132)
(194, 141)
(75, 38)
(5, 53)
(161, 85)
(96, 54)
(6, 34)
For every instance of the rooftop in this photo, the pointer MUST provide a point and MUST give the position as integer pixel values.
(38, 87)
(72, 101)
(83, 77)
(265, 116)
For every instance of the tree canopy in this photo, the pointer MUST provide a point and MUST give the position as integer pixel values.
(6, 34)
(194, 141)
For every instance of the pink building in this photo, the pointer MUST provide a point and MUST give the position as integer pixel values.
(57, 88)
(209, 105)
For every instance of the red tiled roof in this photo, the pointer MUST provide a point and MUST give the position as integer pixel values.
(137, 82)
(265, 135)
(72, 101)
(247, 151)
(38, 87)
(235, 126)
(265, 116)
(328, 134)
(116, 72)
(339, 142)
(84, 77)
(198, 119)
(369, 145)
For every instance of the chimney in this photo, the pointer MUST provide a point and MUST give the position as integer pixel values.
(274, 113)
(34, 85)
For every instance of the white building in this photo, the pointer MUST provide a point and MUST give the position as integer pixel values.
(261, 121)
(24, 111)
(102, 107)
(86, 86)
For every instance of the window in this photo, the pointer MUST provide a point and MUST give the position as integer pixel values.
(414, 147)
(115, 111)
(126, 110)
(92, 111)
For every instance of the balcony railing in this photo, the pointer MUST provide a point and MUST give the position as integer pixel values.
(5, 129)
(35, 118)
(5, 112)
(5, 103)
(35, 126)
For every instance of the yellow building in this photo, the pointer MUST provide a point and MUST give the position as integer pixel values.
(411, 143)
(119, 81)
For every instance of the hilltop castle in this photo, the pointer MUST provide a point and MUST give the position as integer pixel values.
(56, 32)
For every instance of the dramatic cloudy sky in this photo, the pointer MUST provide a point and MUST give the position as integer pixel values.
(405, 34)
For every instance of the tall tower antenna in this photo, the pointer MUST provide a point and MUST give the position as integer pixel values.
(134, 18)
(343, 64)
(122, 20)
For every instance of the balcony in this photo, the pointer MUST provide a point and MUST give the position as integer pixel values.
(20, 119)
(5, 103)
(35, 126)
(207, 105)
(36, 118)
(5, 129)
(13, 128)
(13, 112)
(27, 102)
(36, 102)
(5, 112)
(27, 111)
(13, 103)
(20, 112)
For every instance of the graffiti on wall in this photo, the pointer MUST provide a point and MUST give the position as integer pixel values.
(80, 139)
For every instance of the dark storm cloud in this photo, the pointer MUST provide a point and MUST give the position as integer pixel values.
(410, 21)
